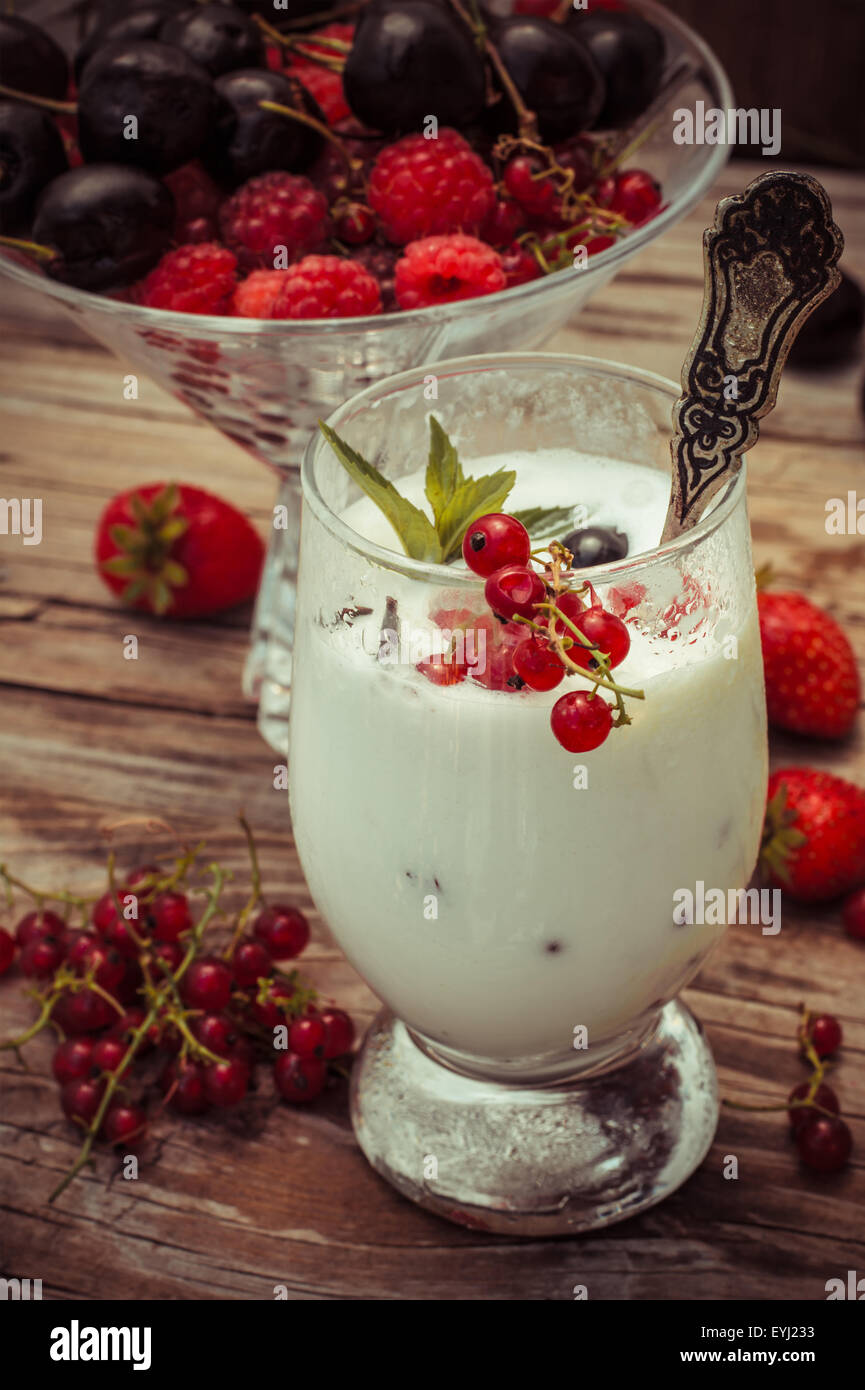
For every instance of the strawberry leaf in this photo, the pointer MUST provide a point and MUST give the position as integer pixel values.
(414, 528)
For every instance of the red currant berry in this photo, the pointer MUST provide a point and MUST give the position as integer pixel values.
(251, 962)
(182, 1083)
(216, 1032)
(167, 956)
(83, 1012)
(88, 955)
(109, 1052)
(581, 721)
(493, 541)
(171, 916)
(81, 1099)
(226, 1083)
(526, 178)
(801, 1115)
(284, 931)
(124, 1124)
(299, 1079)
(72, 1060)
(354, 223)
(7, 950)
(537, 665)
(269, 1014)
(104, 912)
(42, 956)
(118, 935)
(606, 631)
(207, 985)
(571, 605)
(442, 670)
(825, 1144)
(34, 925)
(306, 1036)
(502, 224)
(338, 1032)
(636, 196)
(853, 915)
(141, 881)
(514, 590)
(825, 1034)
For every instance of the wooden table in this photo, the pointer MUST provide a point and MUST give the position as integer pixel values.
(272, 1195)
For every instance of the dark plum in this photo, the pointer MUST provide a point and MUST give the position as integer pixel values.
(629, 53)
(596, 545)
(245, 140)
(144, 22)
(30, 60)
(831, 333)
(554, 75)
(219, 37)
(31, 155)
(169, 95)
(108, 223)
(411, 60)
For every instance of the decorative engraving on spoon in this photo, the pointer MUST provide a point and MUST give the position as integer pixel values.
(769, 259)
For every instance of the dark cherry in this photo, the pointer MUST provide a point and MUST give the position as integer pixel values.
(831, 333)
(108, 223)
(629, 54)
(411, 60)
(219, 37)
(143, 22)
(31, 155)
(169, 94)
(244, 140)
(596, 545)
(30, 60)
(554, 74)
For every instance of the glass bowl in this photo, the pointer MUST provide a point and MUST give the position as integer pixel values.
(264, 384)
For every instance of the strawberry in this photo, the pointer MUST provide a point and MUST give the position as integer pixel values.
(177, 551)
(812, 681)
(814, 834)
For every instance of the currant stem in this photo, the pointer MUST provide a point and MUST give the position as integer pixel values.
(255, 896)
(353, 165)
(36, 1027)
(528, 125)
(64, 108)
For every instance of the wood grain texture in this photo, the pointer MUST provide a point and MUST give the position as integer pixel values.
(268, 1196)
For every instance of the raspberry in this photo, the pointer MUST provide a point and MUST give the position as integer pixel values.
(270, 211)
(196, 199)
(326, 287)
(423, 187)
(191, 280)
(441, 269)
(255, 296)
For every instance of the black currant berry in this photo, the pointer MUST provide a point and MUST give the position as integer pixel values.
(629, 53)
(144, 22)
(31, 155)
(219, 37)
(30, 60)
(244, 140)
(143, 103)
(832, 331)
(108, 223)
(409, 60)
(554, 75)
(596, 545)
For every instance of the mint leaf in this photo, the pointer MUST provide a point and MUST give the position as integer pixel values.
(414, 528)
(444, 472)
(541, 522)
(473, 498)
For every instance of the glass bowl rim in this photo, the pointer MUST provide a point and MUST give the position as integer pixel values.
(392, 560)
(222, 326)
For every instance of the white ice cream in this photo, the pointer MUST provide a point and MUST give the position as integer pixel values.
(491, 902)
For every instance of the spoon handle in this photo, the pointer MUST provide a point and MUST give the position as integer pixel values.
(769, 260)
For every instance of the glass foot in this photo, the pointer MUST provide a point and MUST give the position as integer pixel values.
(537, 1161)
